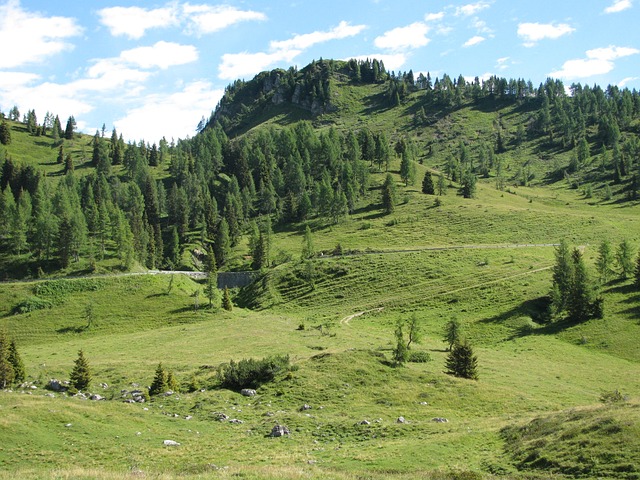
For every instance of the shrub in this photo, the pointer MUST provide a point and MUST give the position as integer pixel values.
(31, 304)
(251, 373)
(419, 357)
(612, 397)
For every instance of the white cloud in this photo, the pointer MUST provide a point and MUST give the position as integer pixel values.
(301, 42)
(623, 83)
(108, 74)
(171, 116)
(474, 41)
(205, 19)
(133, 22)
(599, 61)
(619, 6)
(162, 54)
(243, 65)
(29, 37)
(501, 63)
(481, 26)
(433, 17)
(391, 61)
(534, 32)
(471, 8)
(10, 80)
(401, 38)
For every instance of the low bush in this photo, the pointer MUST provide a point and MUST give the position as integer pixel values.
(419, 357)
(251, 373)
(31, 304)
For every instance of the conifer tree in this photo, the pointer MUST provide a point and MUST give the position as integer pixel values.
(211, 269)
(442, 187)
(308, 250)
(172, 383)
(580, 294)
(19, 372)
(637, 272)
(400, 352)
(604, 261)
(624, 258)
(452, 332)
(461, 362)
(562, 277)
(159, 384)
(389, 194)
(427, 184)
(227, 304)
(5, 133)
(7, 374)
(80, 377)
(222, 244)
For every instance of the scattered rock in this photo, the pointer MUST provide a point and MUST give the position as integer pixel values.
(248, 392)
(440, 420)
(221, 417)
(365, 422)
(52, 395)
(128, 400)
(236, 421)
(55, 385)
(69, 425)
(168, 393)
(188, 417)
(104, 386)
(96, 397)
(279, 431)
(401, 420)
(171, 443)
(424, 403)
(305, 407)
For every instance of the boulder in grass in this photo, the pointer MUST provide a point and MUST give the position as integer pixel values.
(279, 431)
(171, 443)
(248, 392)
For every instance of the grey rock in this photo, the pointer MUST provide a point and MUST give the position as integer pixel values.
(236, 421)
(440, 420)
(279, 431)
(305, 407)
(96, 397)
(171, 443)
(365, 422)
(55, 385)
(401, 420)
(248, 392)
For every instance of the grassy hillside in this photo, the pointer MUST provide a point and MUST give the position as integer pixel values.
(553, 400)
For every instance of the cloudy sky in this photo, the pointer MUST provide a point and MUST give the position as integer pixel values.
(154, 68)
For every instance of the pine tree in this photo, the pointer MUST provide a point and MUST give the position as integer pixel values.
(7, 374)
(452, 332)
(389, 194)
(80, 377)
(624, 258)
(210, 267)
(172, 383)
(19, 372)
(159, 384)
(562, 277)
(637, 272)
(307, 245)
(226, 300)
(427, 184)
(442, 187)
(5, 133)
(70, 129)
(400, 352)
(604, 261)
(580, 294)
(461, 362)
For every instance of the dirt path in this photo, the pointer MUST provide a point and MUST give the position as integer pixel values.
(346, 320)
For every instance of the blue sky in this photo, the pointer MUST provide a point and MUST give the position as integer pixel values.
(154, 68)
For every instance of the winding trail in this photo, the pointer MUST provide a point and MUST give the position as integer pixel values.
(347, 319)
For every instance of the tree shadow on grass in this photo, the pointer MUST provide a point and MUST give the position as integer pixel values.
(80, 329)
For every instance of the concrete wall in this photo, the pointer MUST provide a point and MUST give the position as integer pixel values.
(235, 279)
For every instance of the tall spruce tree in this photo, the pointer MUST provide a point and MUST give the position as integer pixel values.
(80, 377)
(159, 384)
(580, 294)
(7, 373)
(624, 258)
(562, 277)
(461, 362)
(604, 261)
(13, 356)
(427, 184)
